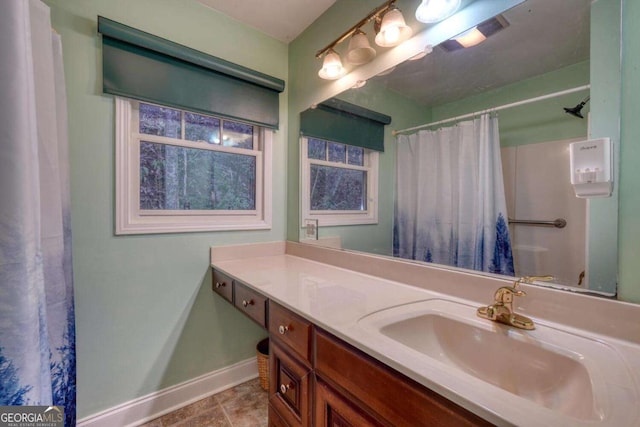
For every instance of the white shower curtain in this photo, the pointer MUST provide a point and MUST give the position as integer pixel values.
(37, 328)
(450, 204)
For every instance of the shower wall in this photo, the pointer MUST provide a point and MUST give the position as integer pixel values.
(537, 187)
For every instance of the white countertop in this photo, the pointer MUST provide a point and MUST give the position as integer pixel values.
(336, 299)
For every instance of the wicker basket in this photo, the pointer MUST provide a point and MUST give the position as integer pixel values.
(262, 353)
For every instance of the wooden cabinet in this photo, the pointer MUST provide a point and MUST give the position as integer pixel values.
(275, 420)
(289, 386)
(223, 285)
(251, 303)
(332, 409)
(293, 331)
(254, 304)
(394, 398)
(290, 366)
(316, 379)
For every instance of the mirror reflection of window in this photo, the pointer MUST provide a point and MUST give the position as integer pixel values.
(337, 182)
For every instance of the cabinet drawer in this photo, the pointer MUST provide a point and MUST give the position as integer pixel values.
(292, 330)
(387, 392)
(250, 303)
(289, 387)
(223, 285)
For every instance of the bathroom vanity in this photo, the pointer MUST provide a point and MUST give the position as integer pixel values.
(401, 345)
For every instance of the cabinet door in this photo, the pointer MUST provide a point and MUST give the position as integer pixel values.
(331, 409)
(289, 387)
(275, 420)
(222, 285)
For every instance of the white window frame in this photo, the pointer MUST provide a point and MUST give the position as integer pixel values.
(334, 217)
(130, 219)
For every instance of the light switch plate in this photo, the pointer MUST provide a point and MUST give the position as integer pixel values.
(311, 229)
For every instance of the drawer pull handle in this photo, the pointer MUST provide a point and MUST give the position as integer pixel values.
(284, 388)
(220, 285)
(283, 329)
(246, 303)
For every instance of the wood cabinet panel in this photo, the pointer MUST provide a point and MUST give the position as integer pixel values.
(385, 391)
(251, 303)
(222, 285)
(292, 330)
(331, 409)
(275, 420)
(289, 387)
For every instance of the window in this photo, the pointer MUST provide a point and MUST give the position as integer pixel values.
(339, 183)
(179, 171)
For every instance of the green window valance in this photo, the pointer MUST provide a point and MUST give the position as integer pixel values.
(347, 123)
(142, 66)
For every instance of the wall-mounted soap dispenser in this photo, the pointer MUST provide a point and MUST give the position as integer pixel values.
(592, 168)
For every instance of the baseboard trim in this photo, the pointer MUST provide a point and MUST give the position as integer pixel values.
(153, 405)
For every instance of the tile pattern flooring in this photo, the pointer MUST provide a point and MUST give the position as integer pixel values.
(244, 405)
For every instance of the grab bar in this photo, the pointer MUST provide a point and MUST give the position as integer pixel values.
(557, 223)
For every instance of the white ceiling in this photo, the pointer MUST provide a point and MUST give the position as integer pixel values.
(544, 35)
(281, 19)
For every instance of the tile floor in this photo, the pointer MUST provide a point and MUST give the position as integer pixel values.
(244, 405)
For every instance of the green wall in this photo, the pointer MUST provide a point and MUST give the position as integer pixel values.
(536, 122)
(629, 209)
(146, 316)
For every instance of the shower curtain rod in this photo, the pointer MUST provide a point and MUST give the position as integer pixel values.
(491, 110)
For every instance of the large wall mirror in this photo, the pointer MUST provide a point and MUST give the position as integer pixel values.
(545, 47)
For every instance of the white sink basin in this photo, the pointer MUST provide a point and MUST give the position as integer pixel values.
(557, 370)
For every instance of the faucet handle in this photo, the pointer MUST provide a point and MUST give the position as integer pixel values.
(505, 294)
(530, 279)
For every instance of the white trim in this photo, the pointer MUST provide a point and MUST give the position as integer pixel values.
(131, 220)
(333, 218)
(146, 408)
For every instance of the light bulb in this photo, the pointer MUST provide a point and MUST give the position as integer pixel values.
(332, 68)
(393, 29)
(392, 34)
(470, 37)
(431, 11)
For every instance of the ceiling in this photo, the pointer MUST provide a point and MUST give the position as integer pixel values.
(283, 20)
(543, 35)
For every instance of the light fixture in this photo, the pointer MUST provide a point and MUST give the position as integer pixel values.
(332, 68)
(391, 30)
(360, 51)
(476, 35)
(470, 38)
(431, 11)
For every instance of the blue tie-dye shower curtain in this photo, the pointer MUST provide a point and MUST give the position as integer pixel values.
(450, 203)
(37, 328)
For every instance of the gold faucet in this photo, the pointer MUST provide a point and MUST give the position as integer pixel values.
(502, 310)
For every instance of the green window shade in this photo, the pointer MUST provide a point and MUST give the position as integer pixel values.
(149, 68)
(350, 124)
